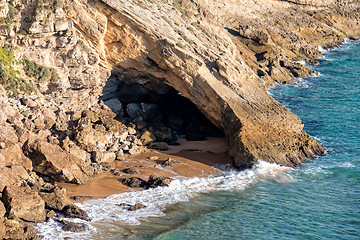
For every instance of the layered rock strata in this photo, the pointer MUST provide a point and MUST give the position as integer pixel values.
(221, 55)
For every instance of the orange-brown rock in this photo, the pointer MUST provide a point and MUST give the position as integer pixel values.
(52, 161)
(221, 55)
(23, 203)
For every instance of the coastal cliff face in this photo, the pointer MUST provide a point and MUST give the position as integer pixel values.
(58, 58)
(222, 56)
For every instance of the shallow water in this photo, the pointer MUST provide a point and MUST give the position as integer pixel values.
(320, 200)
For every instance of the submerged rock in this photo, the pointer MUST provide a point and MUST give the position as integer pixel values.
(73, 227)
(73, 211)
(137, 206)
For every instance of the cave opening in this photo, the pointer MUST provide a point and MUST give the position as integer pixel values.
(151, 105)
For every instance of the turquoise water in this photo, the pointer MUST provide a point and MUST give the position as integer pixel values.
(320, 200)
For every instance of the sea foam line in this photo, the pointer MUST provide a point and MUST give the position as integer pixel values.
(106, 211)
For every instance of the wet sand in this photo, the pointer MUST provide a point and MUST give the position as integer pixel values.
(196, 159)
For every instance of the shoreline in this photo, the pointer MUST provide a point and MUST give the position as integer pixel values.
(196, 159)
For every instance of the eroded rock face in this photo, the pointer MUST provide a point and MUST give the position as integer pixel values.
(23, 203)
(215, 53)
(226, 77)
(52, 161)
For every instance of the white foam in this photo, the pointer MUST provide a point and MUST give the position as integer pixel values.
(322, 50)
(348, 165)
(302, 62)
(108, 210)
(301, 82)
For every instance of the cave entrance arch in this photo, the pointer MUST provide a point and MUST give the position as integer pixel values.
(151, 105)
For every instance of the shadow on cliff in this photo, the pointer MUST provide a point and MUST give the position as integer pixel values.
(159, 111)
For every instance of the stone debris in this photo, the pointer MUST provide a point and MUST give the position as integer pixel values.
(170, 162)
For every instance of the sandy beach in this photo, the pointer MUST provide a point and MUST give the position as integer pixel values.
(196, 159)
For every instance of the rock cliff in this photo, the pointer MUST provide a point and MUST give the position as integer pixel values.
(85, 83)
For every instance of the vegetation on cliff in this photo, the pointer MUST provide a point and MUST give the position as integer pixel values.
(8, 74)
(40, 73)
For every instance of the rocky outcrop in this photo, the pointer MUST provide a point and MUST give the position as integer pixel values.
(24, 204)
(216, 54)
(91, 81)
(54, 162)
(227, 77)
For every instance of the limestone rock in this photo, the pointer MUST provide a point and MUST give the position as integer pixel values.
(54, 162)
(29, 102)
(91, 115)
(73, 227)
(147, 137)
(133, 182)
(115, 105)
(2, 210)
(73, 211)
(137, 206)
(2, 228)
(17, 230)
(23, 203)
(159, 146)
(95, 140)
(100, 157)
(157, 180)
(170, 162)
(8, 134)
(8, 178)
(14, 156)
(56, 198)
(144, 110)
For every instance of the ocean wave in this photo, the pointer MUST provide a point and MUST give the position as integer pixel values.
(301, 82)
(107, 211)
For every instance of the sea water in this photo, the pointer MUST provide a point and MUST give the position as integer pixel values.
(319, 200)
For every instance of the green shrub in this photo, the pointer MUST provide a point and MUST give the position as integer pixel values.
(8, 75)
(39, 72)
(11, 14)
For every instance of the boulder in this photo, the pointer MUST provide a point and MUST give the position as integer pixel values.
(130, 171)
(170, 162)
(115, 105)
(147, 137)
(49, 117)
(157, 180)
(162, 146)
(15, 229)
(136, 207)
(163, 134)
(94, 117)
(23, 203)
(73, 227)
(73, 211)
(14, 156)
(114, 126)
(28, 102)
(56, 198)
(8, 178)
(134, 110)
(93, 139)
(8, 134)
(133, 182)
(52, 161)
(50, 214)
(145, 110)
(101, 157)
